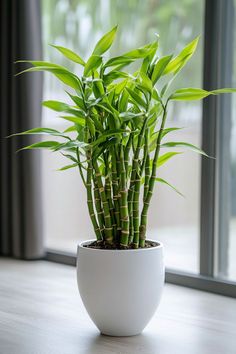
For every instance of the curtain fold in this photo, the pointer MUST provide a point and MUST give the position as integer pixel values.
(20, 109)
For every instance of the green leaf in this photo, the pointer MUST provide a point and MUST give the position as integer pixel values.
(180, 60)
(160, 67)
(136, 98)
(107, 134)
(223, 90)
(40, 130)
(182, 144)
(127, 116)
(90, 125)
(76, 120)
(70, 157)
(114, 75)
(42, 145)
(98, 125)
(92, 64)
(169, 130)
(59, 71)
(154, 136)
(148, 59)
(67, 167)
(165, 157)
(77, 100)
(56, 105)
(69, 54)
(145, 82)
(69, 80)
(139, 53)
(41, 63)
(119, 61)
(129, 57)
(161, 180)
(98, 90)
(72, 128)
(70, 145)
(123, 101)
(105, 42)
(189, 94)
(104, 146)
(63, 107)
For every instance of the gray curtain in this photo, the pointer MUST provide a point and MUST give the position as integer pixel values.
(20, 109)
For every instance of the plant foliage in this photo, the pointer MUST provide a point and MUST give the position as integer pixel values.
(118, 120)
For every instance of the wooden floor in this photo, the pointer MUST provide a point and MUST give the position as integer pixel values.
(41, 313)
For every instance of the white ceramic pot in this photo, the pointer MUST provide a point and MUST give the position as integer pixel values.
(120, 289)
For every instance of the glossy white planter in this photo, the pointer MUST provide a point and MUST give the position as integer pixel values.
(120, 289)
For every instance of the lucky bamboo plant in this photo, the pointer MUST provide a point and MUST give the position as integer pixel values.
(118, 124)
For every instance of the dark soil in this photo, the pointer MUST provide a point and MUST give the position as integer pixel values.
(104, 246)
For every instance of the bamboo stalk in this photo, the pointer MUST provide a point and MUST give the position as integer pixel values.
(115, 195)
(136, 218)
(98, 206)
(124, 239)
(136, 156)
(90, 198)
(147, 177)
(108, 234)
(136, 210)
(146, 167)
(80, 168)
(126, 154)
(90, 202)
(118, 176)
(133, 194)
(131, 223)
(146, 203)
(109, 198)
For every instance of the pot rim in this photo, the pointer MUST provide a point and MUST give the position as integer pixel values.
(137, 250)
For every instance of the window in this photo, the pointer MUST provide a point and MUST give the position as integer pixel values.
(199, 231)
(226, 267)
(232, 191)
(79, 26)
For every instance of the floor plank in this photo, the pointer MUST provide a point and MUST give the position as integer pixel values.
(41, 313)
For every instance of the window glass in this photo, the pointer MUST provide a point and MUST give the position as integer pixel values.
(231, 252)
(78, 25)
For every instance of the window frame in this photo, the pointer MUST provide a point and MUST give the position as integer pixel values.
(217, 72)
(218, 68)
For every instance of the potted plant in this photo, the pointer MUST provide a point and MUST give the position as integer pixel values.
(118, 124)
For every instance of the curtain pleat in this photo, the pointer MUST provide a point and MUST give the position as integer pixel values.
(20, 173)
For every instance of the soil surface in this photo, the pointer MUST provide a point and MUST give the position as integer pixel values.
(104, 246)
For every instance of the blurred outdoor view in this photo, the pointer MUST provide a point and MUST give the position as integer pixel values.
(232, 190)
(78, 24)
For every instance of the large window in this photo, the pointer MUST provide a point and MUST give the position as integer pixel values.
(199, 231)
(78, 25)
(232, 191)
